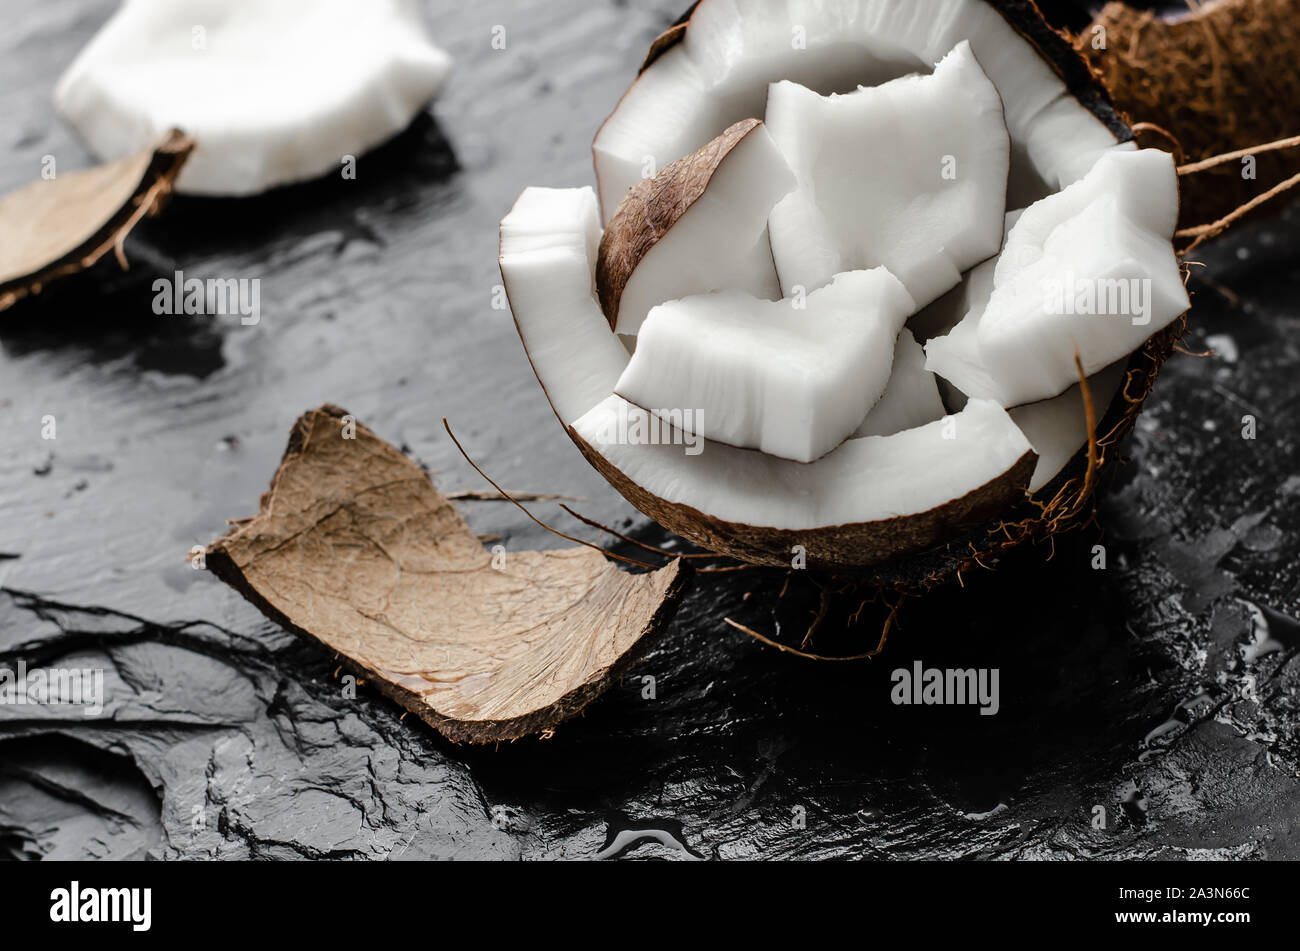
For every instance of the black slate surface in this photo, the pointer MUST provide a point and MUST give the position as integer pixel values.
(1162, 689)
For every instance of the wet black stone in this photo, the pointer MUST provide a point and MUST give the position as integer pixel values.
(1146, 693)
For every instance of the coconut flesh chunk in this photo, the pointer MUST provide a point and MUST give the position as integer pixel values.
(911, 175)
(790, 378)
(1058, 428)
(699, 225)
(945, 313)
(912, 397)
(952, 356)
(548, 257)
(274, 91)
(718, 71)
(1090, 269)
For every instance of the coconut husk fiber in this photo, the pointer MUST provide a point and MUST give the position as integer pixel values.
(1218, 77)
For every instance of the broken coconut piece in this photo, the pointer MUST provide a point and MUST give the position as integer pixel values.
(945, 313)
(547, 259)
(56, 227)
(793, 379)
(1089, 270)
(272, 92)
(1058, 428)
(699, 225)
(867, 502)
(911, 175)
(355, 548)
(714, 69)
(912, 397)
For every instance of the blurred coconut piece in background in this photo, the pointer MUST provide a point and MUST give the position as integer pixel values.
(273, 91)
(1219, 76)
(61, 225)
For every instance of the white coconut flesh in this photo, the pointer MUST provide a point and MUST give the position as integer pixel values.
(721, 241)
(720, 71)
(942, 315)
(912, 397)
(548, 263)
(792, 378)
(274, 91)
(911, 175)
(1058, 428)
(1090, 270)
(865, 480)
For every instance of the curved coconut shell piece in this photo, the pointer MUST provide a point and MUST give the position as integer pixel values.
(63, 225)
(651, 209)
(1219, 78)
(355, 548)
(853, 547)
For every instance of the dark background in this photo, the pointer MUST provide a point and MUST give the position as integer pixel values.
(1162, 689)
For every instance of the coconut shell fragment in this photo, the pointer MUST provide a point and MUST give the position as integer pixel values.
(63, 225)
(356, 549)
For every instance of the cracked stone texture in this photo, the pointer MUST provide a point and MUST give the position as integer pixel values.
(1162, 688)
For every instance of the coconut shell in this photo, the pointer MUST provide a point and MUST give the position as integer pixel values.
(57, 227)
(354, 548)
(1218, 79)
(651, 209)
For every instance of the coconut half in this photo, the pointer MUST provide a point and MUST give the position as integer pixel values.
(911, 175)
(934, 473)
(273, 91)
(791, 378)
(699, 225)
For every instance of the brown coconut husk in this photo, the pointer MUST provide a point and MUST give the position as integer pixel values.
(1220, 76)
